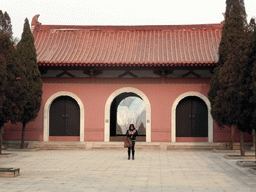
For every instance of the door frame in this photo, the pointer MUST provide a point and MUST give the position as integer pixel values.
(108, 106)
(47, 107)
(208, 104)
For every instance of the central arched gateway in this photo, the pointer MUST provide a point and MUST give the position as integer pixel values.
(127, 108)
(129, 91)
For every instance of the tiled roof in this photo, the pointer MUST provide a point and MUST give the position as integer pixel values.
(174, 45)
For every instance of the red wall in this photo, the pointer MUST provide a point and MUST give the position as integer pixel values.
(94, 95)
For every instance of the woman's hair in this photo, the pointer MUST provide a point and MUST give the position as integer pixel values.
(131, 126)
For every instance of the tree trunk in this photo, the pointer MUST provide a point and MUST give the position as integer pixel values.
(242, 149)
(255, 143)
(254, 140)
(1, 133)
(22, 136)
(232, 135)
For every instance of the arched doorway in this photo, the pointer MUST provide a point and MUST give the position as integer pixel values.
(47, 107)
(64, 117)
(191, 118)
(127, 108)
(206, 101)
(108, 111)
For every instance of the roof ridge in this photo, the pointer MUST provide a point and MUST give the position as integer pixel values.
(36, 25)
(126, 28)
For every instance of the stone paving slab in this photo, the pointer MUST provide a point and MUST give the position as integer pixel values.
(109, 170)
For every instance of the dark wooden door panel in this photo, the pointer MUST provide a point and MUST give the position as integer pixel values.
(191, 118)
(183, 121)
(200, 120)
(64, 117)
(73, 118)
(57, 120)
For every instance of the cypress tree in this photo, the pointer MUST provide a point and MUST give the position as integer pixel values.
(245, 93)
(217, 113)
(225, 85)
(1, 21)
(247, 90)
(12, 103)
(214, 83)
(230, 73)
(252, 62)
(5, 24)
(3, 78)
(27, 55)
(12, 106)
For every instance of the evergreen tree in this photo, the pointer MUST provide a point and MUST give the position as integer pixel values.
(251, 26)
(5, 25)
(215, 85)
(12, 106)
(245, 93)
(1, 21)
(225, 85)
(246, 78)
(216, 107)
(3, 75)
(3, 78)
(230, 73)
(27, 55)
(252, 62)
(13, 103)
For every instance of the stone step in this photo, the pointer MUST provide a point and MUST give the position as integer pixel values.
(57, 145)
(120, 146)
(63, 145)
(236, 145)
(196, 146)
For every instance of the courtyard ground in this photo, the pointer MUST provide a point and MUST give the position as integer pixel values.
(109, 170)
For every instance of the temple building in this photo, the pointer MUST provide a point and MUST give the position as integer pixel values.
(99, 79)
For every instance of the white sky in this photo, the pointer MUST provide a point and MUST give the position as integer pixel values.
(118, 12)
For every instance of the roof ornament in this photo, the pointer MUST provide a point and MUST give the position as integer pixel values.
(35, 23)
(224, 15)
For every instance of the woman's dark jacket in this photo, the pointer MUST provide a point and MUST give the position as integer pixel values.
(135, 133)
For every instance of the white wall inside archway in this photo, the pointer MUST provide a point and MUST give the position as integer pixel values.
(207, 102)
(108, 106)
(47, 107)
(131, 110)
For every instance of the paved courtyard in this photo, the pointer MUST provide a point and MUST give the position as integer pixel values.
(109, 170)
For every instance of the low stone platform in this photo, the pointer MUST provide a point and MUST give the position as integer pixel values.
(246, 163)
(160, 146)
(239, 156)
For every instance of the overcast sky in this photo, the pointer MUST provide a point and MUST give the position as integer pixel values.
(118, 12)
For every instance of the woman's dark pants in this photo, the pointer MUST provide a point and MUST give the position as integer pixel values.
(131, 148)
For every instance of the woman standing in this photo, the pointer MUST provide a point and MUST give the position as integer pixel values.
(131, 133)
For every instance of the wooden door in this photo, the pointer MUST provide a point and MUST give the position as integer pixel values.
(192, 118)
(64, 117)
